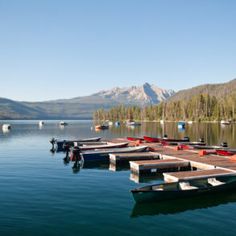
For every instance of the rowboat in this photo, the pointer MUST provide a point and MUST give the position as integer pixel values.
(105, 146)
(61, 143)
(103, 154)
(175, 190)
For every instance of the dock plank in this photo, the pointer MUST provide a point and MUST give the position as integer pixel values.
(190, 175)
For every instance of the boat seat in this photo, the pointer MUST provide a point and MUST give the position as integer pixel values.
(214, 182)
(186, 186)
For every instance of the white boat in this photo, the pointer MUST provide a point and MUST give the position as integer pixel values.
(6, 127)
(225, 122)
(41, 123)
(162, 122)
(181, 125)
(63, 123)
(133, 123)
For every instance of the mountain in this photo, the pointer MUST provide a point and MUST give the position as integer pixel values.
(220, 91)
(83, 107)
(136, 95)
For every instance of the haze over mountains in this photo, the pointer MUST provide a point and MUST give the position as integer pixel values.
(83, 107)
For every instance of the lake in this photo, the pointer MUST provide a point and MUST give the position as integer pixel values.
(40, 195)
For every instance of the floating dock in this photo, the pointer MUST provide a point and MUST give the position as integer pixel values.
(124, 158)
(172, 158)
(191, 175)
(158, 166)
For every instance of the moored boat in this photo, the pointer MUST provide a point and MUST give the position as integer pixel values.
(226, 152)
(6, 127)
(60, 144)
(101, 127)
(103, 154)
(164, 139)
(63, 123)
(175, 190)
(152, 139)
(133, 123)
(105, 146)
(181, 124)
(225, 122)
(135, 139)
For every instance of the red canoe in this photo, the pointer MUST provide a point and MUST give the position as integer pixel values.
(152, 139)
(164, 140)
(135, 139)
(223, 152)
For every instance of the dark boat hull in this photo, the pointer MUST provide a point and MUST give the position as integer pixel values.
(103, 155)
(153, 196)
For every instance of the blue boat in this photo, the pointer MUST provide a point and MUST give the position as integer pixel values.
(103, 155)
(181, 125)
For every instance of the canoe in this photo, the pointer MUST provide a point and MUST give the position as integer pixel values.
(135, 139)
(207, 147)
(103, 154)
(176, 190)
(225, 152)
(183, 143)
(105, 146)
(152, 139)
(158, 140)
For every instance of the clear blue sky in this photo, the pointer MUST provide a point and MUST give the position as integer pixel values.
(67, 48)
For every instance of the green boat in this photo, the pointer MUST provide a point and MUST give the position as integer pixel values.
(185, 189)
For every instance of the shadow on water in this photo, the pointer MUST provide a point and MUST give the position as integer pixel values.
(182, 205)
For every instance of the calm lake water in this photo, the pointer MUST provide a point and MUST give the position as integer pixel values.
(40, 195)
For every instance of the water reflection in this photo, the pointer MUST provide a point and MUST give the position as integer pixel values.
(182, 205)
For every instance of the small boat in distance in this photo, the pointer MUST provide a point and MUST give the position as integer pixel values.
(225, 122)
(6, 127)
(101, 127)
(168, 191)
(133, 123)
(63, 123)
(41, 123)
(181, 125)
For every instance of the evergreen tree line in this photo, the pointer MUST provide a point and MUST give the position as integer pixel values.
(200, 107)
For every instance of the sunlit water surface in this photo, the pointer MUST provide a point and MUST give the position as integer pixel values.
(40, 195)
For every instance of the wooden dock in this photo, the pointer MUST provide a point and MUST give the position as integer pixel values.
(158, 166)
(124, 158)
(205, 166)
(190, 175)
